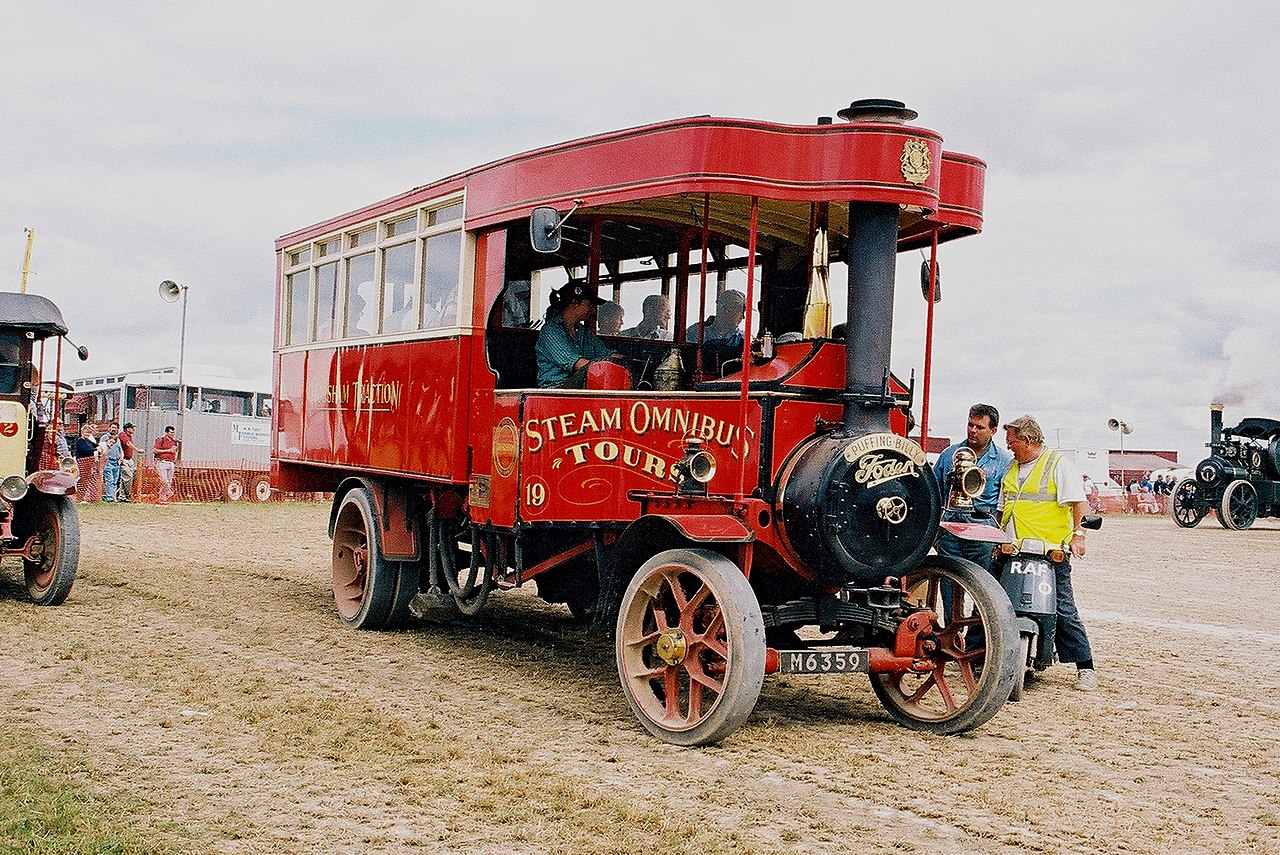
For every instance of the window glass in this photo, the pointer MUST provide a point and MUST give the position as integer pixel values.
(329, 247)
(302, 256)
(159, 398)
(399, 290)
(403, 226)
(10, 362)
(361, 238)
(221, 401)
(326, 300)
(444, 215)
(299, 287)
(442, 258)
(361, 297)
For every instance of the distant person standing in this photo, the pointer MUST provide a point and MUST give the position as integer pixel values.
(86, 452)
(128, 466)
(109, 451)
(165, 452)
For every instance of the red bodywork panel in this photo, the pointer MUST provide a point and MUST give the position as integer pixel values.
(708, 155)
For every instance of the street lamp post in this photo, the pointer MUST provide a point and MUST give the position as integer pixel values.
(171, 291)
(1123, 428)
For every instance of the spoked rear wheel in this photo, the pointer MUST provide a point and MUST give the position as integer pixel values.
(690, 646)
(1189, 506)
(1239, 505)
(56, 522)
(966, 685)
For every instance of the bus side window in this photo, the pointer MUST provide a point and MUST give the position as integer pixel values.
(10, 365)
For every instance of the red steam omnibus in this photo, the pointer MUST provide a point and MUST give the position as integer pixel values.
(726, 512)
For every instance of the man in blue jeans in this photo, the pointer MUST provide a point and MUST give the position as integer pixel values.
(994, 462)
(1042, 497)
(109, 447)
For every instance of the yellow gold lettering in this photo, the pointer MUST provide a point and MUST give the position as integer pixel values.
(535, 438)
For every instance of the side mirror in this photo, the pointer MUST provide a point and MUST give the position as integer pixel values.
(544, 226)
(544, 229)
(1092, 521)
(937, 281)
(83, 353)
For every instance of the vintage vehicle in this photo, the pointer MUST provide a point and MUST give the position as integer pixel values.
(38, 518)
(726, 512)
(1239, 480)
(225, 426)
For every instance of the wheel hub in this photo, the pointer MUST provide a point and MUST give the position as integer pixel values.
(671, 646)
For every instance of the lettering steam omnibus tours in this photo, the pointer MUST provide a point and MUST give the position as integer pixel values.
(729, 501)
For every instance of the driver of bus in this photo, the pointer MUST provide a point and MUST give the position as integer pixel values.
(565, 346)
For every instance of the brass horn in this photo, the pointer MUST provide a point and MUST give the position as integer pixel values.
(967, 478)
(170, 291)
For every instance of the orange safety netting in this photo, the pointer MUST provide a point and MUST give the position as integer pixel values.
(193, 481)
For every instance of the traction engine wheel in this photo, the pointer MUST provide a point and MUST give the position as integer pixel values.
(1239, 505)
(690, 646)
(1188, 505)
(57, 522)
(966, 686)
(369, 591)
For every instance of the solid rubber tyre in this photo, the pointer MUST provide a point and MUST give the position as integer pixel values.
(703, 599)
(1187, 508)
(1024, 660)
(57, 521)
(955, 696)
(1239, 506)
(369, 591)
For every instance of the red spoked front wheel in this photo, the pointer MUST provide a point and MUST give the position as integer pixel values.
(974, 656)
(690, 646)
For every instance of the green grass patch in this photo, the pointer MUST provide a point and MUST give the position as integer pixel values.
(47, 806)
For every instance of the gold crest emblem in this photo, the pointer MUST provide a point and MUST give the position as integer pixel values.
(915, 161)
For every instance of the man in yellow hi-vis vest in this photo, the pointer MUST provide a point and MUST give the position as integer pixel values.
(1042, 496)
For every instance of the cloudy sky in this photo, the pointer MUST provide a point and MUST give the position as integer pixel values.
(1127, 267)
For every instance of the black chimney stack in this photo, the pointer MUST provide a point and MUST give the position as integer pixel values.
(873, 260)
(1215, 423)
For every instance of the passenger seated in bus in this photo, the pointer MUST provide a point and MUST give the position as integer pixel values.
(565, 346)
(609, 318)
(721, 337)
(657, 317)
(721, 329)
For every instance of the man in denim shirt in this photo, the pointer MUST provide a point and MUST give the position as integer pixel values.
(994, 462)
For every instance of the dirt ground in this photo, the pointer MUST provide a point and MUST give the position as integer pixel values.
(199, 668)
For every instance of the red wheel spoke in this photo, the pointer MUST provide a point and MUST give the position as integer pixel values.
(944, 689)
(700, 677)
(671, 689)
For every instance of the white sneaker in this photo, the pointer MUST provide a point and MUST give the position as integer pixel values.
(1086, 679)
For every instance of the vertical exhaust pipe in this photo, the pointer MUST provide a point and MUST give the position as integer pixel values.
(1215, 423)
(873, 260)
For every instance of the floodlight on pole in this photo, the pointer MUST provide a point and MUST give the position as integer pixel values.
(1123, 428)
(171, 292)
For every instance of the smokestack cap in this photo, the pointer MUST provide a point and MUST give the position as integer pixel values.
(877, 110)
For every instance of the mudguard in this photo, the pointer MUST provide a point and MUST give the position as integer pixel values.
(53, 482)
